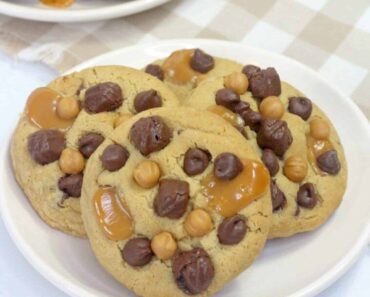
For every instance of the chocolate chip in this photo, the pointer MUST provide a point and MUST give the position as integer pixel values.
(232, 230)
(196, 161)
(306, 196)
(277, 196)
(227, 98)
(150, 134)
(250, 117)
(227, 166)
(329, 162)
(300, 106)
(265, 83)
(137, 252)
(240, 107)
(271, 161)
(201, 62)
(45, 146)
(172, 198)
(89, 143)
(103, 97)
(114, 157)
(249, 70)
(71, 185)
(146, 100)
(193, 271)
(155, 70)
(275, 135)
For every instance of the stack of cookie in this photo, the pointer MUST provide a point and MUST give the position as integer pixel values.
(176, 171)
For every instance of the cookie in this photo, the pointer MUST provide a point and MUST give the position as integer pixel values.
(61, 127)
(186, 213)
(184, 69)
(293, 137)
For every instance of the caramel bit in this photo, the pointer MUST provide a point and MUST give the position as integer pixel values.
(112, 214)
(227, 115)
(58, 3)
(178, 70)
(41, 110)
(229, 197)
(316, 148)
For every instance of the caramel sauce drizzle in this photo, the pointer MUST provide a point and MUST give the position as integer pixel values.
(177, 68)
(41, 110)
(58, 3)
(316, 148)
(226, 114)
(112, 214)
(230, 197)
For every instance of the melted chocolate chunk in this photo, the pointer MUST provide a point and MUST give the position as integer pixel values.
(71, 185)
(137, 252)
(306, 196)
(275, 135)
(196, 161)
(89, 143)
(146, 100)
(114, 157)
(155, 70)
(193, 271)
(201, 62)
(103, 97)
(227, 166)
(150, 134)
(250, 70)
(277, 196)
(172, 198)
(329, 162)
(46, 146)
(300, 106)
(265, 83)
(227, 98)
(240, 107)
(232, 230)
(271, 161)
(251, 118)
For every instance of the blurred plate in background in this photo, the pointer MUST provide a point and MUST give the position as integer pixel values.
(81, 11)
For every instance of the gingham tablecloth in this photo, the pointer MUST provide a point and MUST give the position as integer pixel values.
(330, 36)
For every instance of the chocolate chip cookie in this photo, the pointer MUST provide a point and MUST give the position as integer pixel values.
(294, 138)
(182, 211)
(184, 69)
(62, 126)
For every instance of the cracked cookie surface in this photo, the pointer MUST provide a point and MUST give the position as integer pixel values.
(60, 128)
(177, 240)
(293, 137)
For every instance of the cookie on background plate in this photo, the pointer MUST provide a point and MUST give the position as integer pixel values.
(294, 138)
(64, 123)
(184, 212)
(184, 69)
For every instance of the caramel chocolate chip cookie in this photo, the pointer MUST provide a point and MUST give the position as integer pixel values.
(186, 213)
(294, 138)
(64, 123)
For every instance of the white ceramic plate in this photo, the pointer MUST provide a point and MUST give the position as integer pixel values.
(81, 11)
(299, 266)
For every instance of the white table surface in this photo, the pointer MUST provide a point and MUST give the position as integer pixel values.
(18, 278)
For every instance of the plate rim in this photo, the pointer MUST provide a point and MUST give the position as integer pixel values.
(311, 289)
(85, 15)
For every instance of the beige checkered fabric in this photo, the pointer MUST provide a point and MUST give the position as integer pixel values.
(330, 36)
